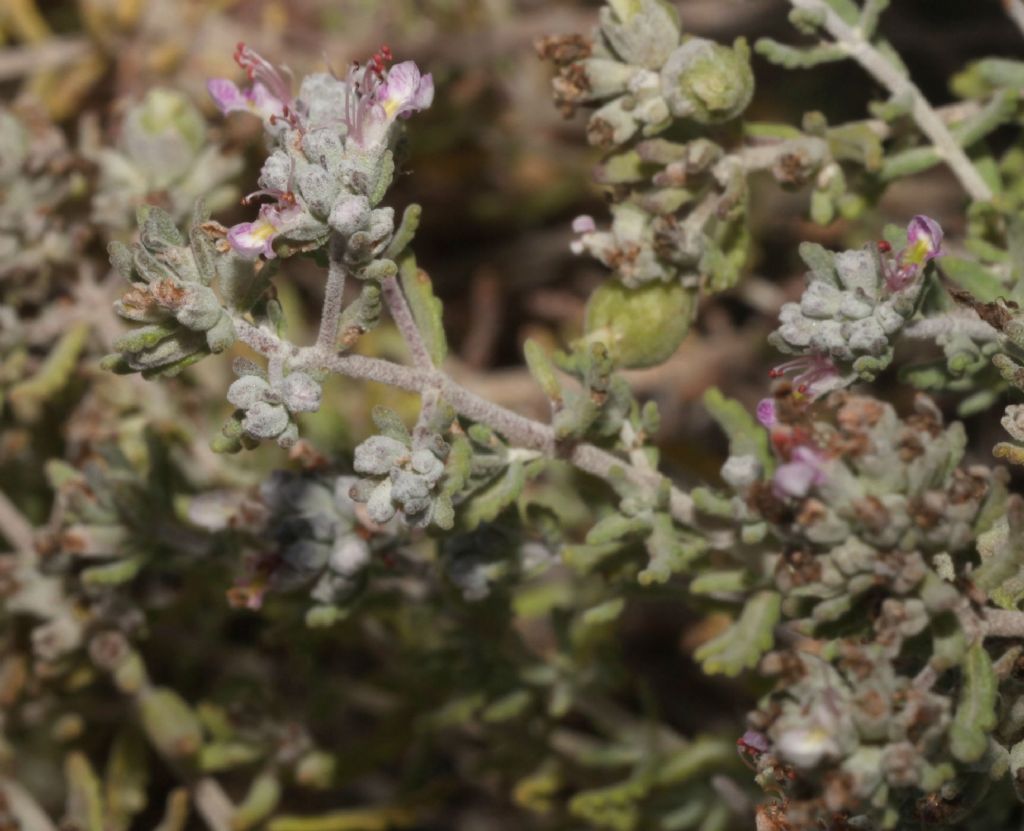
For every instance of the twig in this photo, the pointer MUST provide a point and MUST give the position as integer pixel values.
(518, 429)
(15, 527)
(333, 295)
(1015, 9)
(213, 804)
(886, 73)
(401, 314)
(1004, 623)
(51, 54)
(24, 807)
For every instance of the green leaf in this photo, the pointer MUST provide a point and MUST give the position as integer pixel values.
(407, 228)
(85, 800)
(792, 57)
(542, 369)
(426, 308)
(615, 527)
(486, 504)
(721, 582)
(391, 425)
(741, 646)
(260, 801)
(170, 723)
(820, 261)
(354, 819)
(225, 755)
(1001, 573)
(973, 277)
(28, 397)
(241, 284)
(157, 230)
(126, 779)
(176, 813)
(671, 550)
(975, 714)
(113, 574)
(746, 436)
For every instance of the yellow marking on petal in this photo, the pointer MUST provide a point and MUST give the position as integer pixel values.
(264, 231)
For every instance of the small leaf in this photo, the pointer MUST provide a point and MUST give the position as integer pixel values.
(542, 369)
(262, 798)
(406, 231)
(792, 57)
(671, 550)
(975, 714)
(170, 723)
(176, 813)
(426, 308)
(85, 801)
(615, 527)
(126, 780)
(391, 425)
(741, 646)
(487, 504)
(746, 436)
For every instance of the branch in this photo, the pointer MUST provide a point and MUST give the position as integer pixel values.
(24, 807)
(1004, 623)
(17, 530)
(401, 314)
(213, 804)
(333, 295)
(851, 41)
(517, 429)
(24, 60)
(1015, 9)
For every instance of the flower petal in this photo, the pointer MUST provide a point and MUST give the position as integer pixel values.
(226, 95)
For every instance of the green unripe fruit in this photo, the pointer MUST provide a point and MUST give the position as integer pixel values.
(641, 327)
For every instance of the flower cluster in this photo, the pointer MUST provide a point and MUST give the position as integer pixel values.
(872, 510)
(854, 305)
(330, 161)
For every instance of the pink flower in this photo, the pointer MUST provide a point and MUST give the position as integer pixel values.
(766, 412)
(251, 239)
(804, 470)
(924, 237)
(257, 99)
(814, 374)
(404, 91)
(924, 244)
(584, 224)
(270, 95)
(375, 97)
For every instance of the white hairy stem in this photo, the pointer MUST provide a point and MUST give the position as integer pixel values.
(852, 41)
(517, 429)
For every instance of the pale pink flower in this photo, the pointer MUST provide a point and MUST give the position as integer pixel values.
(804, 470)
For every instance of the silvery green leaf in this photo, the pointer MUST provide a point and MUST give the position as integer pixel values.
(265, 421)
(746, 640)
(300, 393)
(247, 391)
(378, 455)
(379, 506)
